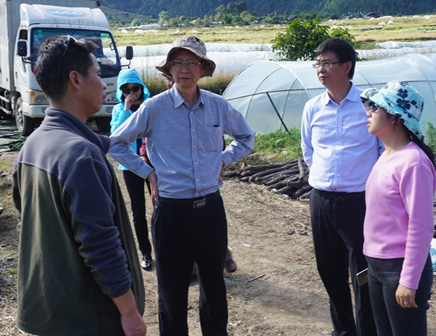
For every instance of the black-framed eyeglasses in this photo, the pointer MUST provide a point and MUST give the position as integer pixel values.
(176, 64)
(133, 89)
(369, 105)
(325, 64)
(58, 76)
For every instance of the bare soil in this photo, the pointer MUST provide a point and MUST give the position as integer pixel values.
(275, 291)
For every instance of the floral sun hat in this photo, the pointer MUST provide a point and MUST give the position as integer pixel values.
(400, 100)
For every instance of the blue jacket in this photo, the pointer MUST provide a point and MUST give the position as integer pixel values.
(119, 115)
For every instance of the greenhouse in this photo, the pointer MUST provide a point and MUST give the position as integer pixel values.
(271, 95)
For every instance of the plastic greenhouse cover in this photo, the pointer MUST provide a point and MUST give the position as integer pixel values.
(246, 82)
(281, 79)
(300, 81)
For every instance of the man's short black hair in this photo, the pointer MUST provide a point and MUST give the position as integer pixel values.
(343, 50)
(58, 56)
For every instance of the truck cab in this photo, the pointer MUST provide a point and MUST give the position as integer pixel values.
(20, 94)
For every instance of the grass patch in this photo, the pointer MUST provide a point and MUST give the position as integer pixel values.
(216, 84)
(285, 145)
(8, 222)
(389, 28)
(5, 167)
(11, 272)
(244, 34)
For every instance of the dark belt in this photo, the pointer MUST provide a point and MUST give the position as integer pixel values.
(194, 203)
(340, 197)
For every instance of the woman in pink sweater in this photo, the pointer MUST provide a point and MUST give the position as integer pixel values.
(399, 219)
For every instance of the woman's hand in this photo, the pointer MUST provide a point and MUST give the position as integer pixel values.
(406, 297)
(128, 101)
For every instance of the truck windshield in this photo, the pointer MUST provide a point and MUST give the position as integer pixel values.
(106, 53)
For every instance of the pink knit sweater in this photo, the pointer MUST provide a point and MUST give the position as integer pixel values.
(399, 219)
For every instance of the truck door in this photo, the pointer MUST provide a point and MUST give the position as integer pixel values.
(20, 67)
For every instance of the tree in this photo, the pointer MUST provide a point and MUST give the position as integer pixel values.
(184, 21)
(198, 22)
(135, 22)
(247, 16)
(164, 16)
(227, 18)
(232, 8)
(237, 20)
(300, 39)
(221, 9)
(241, 6)
(173, 22)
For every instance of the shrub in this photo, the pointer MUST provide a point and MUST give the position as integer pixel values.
(430, 138)
(216, 84)
(301, 39)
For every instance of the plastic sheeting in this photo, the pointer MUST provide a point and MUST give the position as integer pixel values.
(231, 58)
(271, 95)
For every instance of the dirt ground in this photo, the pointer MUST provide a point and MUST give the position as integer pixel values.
(275, 291)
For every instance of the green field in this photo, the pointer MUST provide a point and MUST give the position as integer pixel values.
(366, 31)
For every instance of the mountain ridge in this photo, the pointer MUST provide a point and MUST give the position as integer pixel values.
(199, 8)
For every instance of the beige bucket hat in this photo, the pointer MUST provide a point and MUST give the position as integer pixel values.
(194, 45)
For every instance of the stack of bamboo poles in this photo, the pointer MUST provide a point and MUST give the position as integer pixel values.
(288, 178)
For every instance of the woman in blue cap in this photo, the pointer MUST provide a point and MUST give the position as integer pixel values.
(131, 92)
(399, 220)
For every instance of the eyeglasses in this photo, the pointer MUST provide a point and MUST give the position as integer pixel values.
(58, 76)
(325, 64)
(133, 89)
(369, 105)
(191, 65)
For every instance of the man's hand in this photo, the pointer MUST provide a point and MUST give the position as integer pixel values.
(406, 297)
(221, 173)
(131, 320)
(133, 325)
(152, 179)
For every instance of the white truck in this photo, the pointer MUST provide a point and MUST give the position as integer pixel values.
(24, 25)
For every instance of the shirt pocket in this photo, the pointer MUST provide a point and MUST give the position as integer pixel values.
(213, 139)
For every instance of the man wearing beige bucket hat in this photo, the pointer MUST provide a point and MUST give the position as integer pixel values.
(184, 127)
(195, 46)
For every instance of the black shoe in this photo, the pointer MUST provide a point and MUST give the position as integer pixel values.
(147, 262)
(230, 266)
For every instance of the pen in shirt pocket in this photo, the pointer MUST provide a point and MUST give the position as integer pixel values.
(215, 125)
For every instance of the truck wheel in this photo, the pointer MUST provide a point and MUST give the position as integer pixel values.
(25, 124)
(103, 124)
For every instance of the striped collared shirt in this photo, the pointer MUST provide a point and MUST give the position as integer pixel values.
(184, 144)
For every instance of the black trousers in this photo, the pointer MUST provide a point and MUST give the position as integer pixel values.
(183, 235)
(337, 225)
(135, 187)
(390, 317)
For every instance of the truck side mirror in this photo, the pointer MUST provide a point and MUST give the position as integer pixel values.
(129, 52)
(22, 48)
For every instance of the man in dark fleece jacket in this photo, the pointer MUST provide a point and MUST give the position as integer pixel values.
(78, 270)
